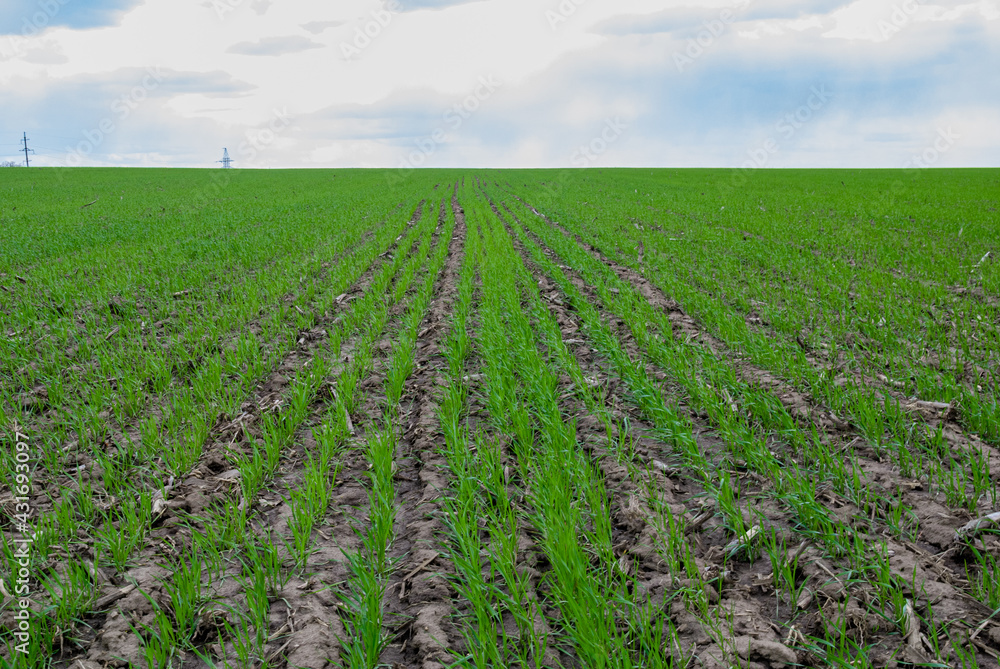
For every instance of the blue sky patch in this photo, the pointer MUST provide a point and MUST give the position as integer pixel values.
(30, 17)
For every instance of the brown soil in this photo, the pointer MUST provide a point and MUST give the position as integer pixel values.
(425, 614)
(77, 464)
(934, 558)
(419, 597)
(209, 485)
(803, 406)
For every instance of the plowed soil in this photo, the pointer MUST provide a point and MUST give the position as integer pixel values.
(424, 613)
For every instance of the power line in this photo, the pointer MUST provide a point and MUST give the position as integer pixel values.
(27, 163)
(68, 139)
(227, 162)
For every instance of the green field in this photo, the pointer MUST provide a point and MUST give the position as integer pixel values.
(486, 418)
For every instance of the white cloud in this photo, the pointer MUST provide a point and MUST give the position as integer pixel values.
(561, 79)
(881, 20)
(274, 46)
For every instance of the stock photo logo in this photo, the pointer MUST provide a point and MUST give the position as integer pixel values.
(563, 13)
(789, 125)
(785, 130)
(946, 138)
(710, 31)
(370, 30)
(902, 16)
(121, 109)
(587, 154)
(38, 18)
(454, 117)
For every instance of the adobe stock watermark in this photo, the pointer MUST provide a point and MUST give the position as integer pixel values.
(945, 139)
(223, 7)
(121, 109)
(913, 167)
(562, 13)
(454, 118)
(786, 128)
(587, 154)
(14, 46)
(255, 141)
(584, 156)
(259, 139)
(900, 17)
(366, 34)
(23, 512)
(705, 39)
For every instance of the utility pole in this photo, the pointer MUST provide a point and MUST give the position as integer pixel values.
(227, 162)
(24, 141)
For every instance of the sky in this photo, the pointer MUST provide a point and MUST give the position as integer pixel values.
(501, 83)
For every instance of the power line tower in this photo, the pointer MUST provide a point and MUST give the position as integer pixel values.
(27, 163)
(227, 162)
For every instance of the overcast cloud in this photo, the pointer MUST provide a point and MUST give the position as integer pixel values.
(503, 83)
